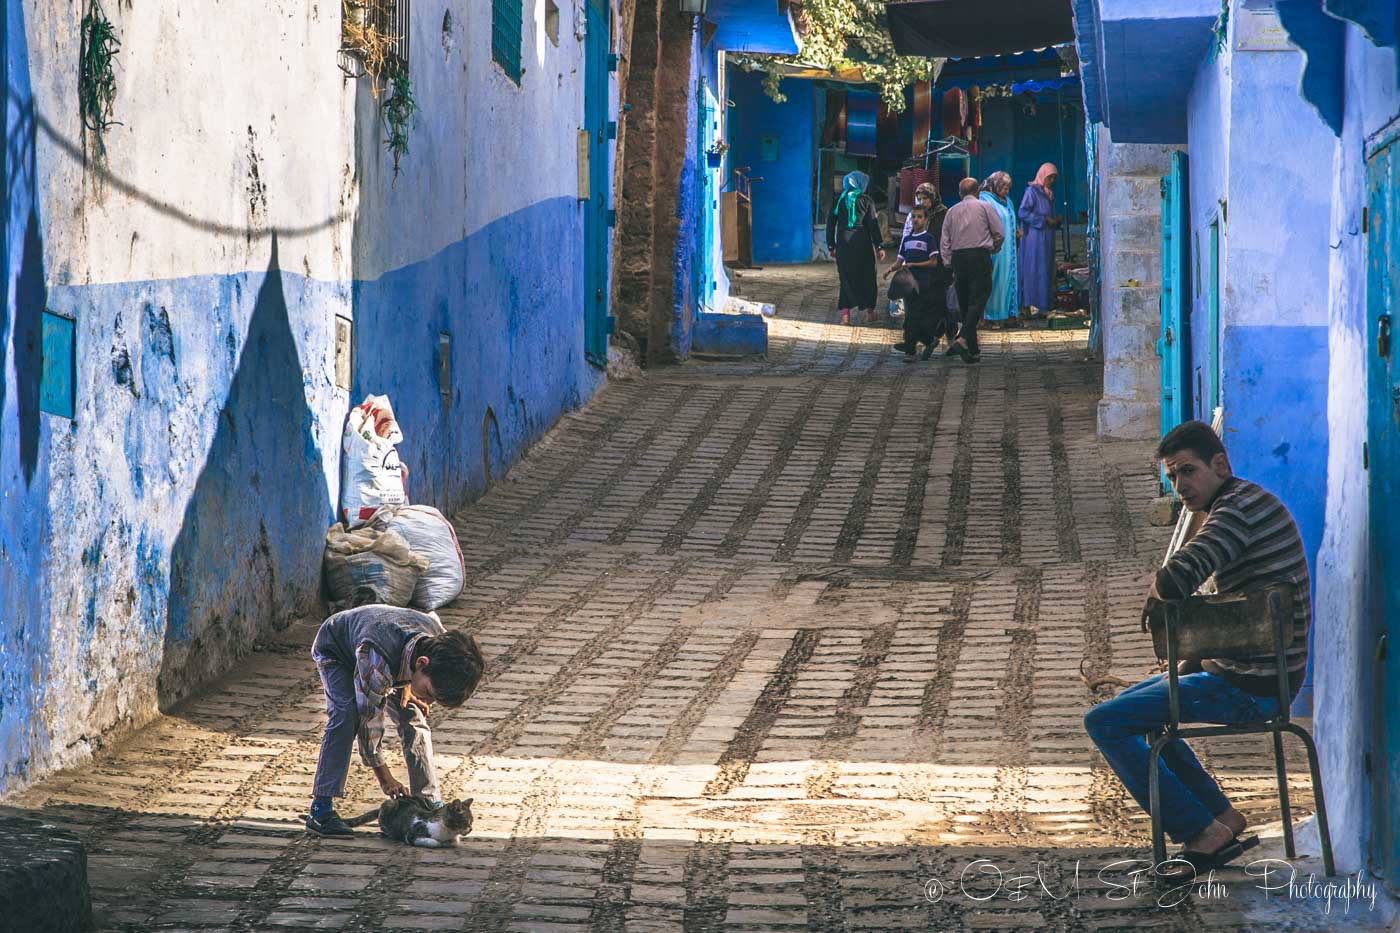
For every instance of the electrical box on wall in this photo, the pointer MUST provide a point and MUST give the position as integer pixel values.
(445, 366)
(768, 148)
(58, 356)
(342, 352)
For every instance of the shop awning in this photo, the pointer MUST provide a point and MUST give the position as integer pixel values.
(963, 28)
(1041, 64)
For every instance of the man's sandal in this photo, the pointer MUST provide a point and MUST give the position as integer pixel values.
(1188, 865)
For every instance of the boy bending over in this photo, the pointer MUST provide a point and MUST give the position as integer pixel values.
(378, 659)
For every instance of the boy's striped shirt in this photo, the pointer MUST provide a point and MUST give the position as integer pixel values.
(1248, 541)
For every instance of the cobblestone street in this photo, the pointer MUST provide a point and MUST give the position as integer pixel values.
(771, 644)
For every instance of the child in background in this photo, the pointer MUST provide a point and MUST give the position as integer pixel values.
(914, 281)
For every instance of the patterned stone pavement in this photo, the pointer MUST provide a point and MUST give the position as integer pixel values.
(780, 644)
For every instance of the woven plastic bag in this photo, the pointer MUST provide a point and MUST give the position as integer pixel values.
(372, 474)
(369, 565)
(431, 536)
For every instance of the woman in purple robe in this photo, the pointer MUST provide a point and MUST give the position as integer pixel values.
(1037, 259)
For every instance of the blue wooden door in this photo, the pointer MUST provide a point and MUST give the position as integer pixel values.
(1174, 340)
(596, 323)
(1383, 474)
(1208, 393)
(705, 193)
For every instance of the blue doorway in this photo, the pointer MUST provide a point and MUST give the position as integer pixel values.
(596, 323)
(1174, 340)
(1382, 460)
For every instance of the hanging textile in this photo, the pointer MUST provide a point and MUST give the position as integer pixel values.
(861, 109)
(955, 112)
(923, 115)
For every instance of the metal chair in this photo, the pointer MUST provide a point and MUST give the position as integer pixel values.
(1237, 625)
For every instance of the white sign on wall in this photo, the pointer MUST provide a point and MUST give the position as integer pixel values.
(1257, 29)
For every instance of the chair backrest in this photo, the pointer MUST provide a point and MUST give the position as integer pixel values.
(1228, 625)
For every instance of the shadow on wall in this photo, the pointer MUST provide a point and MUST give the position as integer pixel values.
(24, 518)
(30, 295)
(259, 505)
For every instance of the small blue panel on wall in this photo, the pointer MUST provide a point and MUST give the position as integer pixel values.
(59, 353)
(768, 148)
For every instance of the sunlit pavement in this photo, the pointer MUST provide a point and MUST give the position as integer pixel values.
(789, 643)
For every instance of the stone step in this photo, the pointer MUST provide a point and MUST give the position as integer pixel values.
(43, 878)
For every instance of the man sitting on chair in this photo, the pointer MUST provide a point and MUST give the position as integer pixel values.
(1248, 541)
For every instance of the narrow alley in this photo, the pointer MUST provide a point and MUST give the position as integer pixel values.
(776, 644)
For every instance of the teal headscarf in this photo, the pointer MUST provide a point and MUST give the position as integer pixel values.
(852, 187)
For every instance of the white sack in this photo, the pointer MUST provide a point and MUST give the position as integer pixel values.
(372, 476)
(431, 536)
(369, 559)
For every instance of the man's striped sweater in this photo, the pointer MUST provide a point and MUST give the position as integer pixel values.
(1248, 541)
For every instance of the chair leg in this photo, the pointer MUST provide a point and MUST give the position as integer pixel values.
(1282, 770)
(1319, 799)
(1154, 797)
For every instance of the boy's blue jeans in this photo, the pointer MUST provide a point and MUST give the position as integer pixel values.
(342, 723)
(1119, 727)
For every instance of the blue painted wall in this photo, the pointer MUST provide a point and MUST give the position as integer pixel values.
(147, 543)
(1016, 141)
(1343, 653)
(517, 348)
(782, 202)
(1256, 151)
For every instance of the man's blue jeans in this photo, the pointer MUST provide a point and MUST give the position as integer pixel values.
(1119, 727)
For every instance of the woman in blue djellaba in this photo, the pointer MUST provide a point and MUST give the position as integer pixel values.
(853, 234)
(1004, 302)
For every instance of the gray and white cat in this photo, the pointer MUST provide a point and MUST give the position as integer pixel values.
(416, 822)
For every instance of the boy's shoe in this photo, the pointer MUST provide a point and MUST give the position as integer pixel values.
(328, 825)
(846, 316)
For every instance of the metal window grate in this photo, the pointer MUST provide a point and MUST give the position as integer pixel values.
(506, 27)
(374, 37)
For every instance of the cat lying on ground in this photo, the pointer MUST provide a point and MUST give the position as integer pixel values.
(416, 822)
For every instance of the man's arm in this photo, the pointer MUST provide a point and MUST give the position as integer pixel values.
(373, 681)
(1222, 539)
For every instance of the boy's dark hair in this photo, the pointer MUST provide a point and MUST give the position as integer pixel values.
(1195, 436)
(455, 665)
(919, 209)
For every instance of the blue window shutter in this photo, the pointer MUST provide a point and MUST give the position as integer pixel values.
(58, 355)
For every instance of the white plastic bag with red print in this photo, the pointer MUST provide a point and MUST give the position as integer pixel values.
(371, 474)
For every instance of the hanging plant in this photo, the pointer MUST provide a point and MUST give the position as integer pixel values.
(366, 46)
(97, 85)
(400, 113)
(1220, 32)
(839, 35)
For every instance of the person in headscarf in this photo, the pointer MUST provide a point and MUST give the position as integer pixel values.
(853, 233)
(1037, 260)
(1006, 287)
(926, 316)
